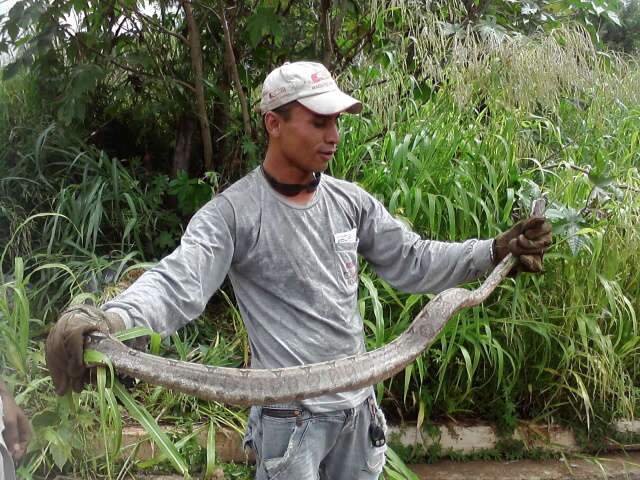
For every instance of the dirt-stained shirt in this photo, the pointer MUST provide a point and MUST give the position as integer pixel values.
(294, 271)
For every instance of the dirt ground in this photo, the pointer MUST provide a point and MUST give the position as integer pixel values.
(613, 466)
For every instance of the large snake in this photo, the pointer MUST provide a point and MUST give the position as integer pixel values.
(246, 386)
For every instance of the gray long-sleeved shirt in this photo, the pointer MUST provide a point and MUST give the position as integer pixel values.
(294, 271)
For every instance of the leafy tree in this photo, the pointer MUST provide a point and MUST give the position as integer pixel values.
(625, 36)
(160, 68)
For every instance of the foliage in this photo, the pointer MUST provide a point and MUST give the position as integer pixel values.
(625, 36)
(545, 346)
(122, 73)
(125, 68)
(474, 109)
(192, 193)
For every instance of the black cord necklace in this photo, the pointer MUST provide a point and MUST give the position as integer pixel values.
(292, 189)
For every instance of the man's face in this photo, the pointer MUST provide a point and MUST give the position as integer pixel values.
(307, 140)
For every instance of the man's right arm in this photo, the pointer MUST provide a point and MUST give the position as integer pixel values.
(163, 299)
(176, 290)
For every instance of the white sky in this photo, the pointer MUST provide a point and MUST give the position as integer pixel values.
(5, 5)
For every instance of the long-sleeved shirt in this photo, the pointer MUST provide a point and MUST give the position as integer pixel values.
(294, 271)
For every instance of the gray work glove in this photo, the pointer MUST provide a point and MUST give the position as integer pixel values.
(64, 350)
(527, 240)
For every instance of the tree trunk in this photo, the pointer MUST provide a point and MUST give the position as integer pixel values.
(220, 130)
(182, 152)
(325, 26)
(196, 64)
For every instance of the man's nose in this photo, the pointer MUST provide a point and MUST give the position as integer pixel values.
(332, 135)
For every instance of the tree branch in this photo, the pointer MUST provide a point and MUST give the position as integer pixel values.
(133, 70)
(586, 171)
(196, 63)
(150, 21)
(149, 75)
(356, 47)
(233, 71)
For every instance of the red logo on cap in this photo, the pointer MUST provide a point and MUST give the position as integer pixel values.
(319, 76)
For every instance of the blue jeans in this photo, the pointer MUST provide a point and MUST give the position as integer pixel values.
(314, 446)
(6, 462)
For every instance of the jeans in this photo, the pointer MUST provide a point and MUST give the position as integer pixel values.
(6, 463)
(315, 446)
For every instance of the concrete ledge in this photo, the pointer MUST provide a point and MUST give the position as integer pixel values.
(466, 440)
(451, 438)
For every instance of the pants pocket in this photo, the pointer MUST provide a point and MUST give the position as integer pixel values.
(251, 439)
(281, 449)
(376, 459)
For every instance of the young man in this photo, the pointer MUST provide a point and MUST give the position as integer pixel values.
(15, 432)
(289, 239)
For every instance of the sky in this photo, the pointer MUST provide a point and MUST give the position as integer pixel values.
(5, 5)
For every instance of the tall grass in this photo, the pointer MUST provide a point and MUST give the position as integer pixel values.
(563, 346)
(456, 149)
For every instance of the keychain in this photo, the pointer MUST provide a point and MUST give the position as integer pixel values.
(376, 432)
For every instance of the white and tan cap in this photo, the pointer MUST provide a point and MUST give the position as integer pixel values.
(310, 84)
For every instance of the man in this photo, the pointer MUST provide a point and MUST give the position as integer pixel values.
(289, 239)
(15, 433)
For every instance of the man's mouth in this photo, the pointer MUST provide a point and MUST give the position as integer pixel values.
(327, 153)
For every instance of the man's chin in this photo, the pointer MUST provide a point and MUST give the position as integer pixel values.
(323, 163)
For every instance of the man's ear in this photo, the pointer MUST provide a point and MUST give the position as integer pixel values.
(272, 123)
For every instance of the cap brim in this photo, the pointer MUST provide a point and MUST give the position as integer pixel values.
(330, 103)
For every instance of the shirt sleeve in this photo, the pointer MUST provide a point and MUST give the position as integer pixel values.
(177, 289)
(410, 263)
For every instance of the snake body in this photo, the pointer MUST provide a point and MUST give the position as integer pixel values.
(246, 386)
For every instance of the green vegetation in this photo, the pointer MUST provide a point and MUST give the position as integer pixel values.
(471, 113)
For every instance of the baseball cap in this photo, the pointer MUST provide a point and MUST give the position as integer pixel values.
(309, 83)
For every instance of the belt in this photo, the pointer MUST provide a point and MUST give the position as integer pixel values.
(281, 412)
(297, 412)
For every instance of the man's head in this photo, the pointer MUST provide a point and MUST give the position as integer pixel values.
(300, 105)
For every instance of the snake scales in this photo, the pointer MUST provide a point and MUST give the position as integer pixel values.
(244, 386)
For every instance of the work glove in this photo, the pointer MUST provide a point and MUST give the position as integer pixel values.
(64, 349)
(17, 430)
(527, 240)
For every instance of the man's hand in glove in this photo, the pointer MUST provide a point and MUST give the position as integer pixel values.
(65, 344)
(17, 430)
(527, 240)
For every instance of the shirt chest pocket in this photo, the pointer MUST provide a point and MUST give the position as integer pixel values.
(346, 264)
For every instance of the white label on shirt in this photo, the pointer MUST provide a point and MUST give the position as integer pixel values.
(346, 237)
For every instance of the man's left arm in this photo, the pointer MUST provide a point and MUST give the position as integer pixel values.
(412, 264)
(17, 430)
